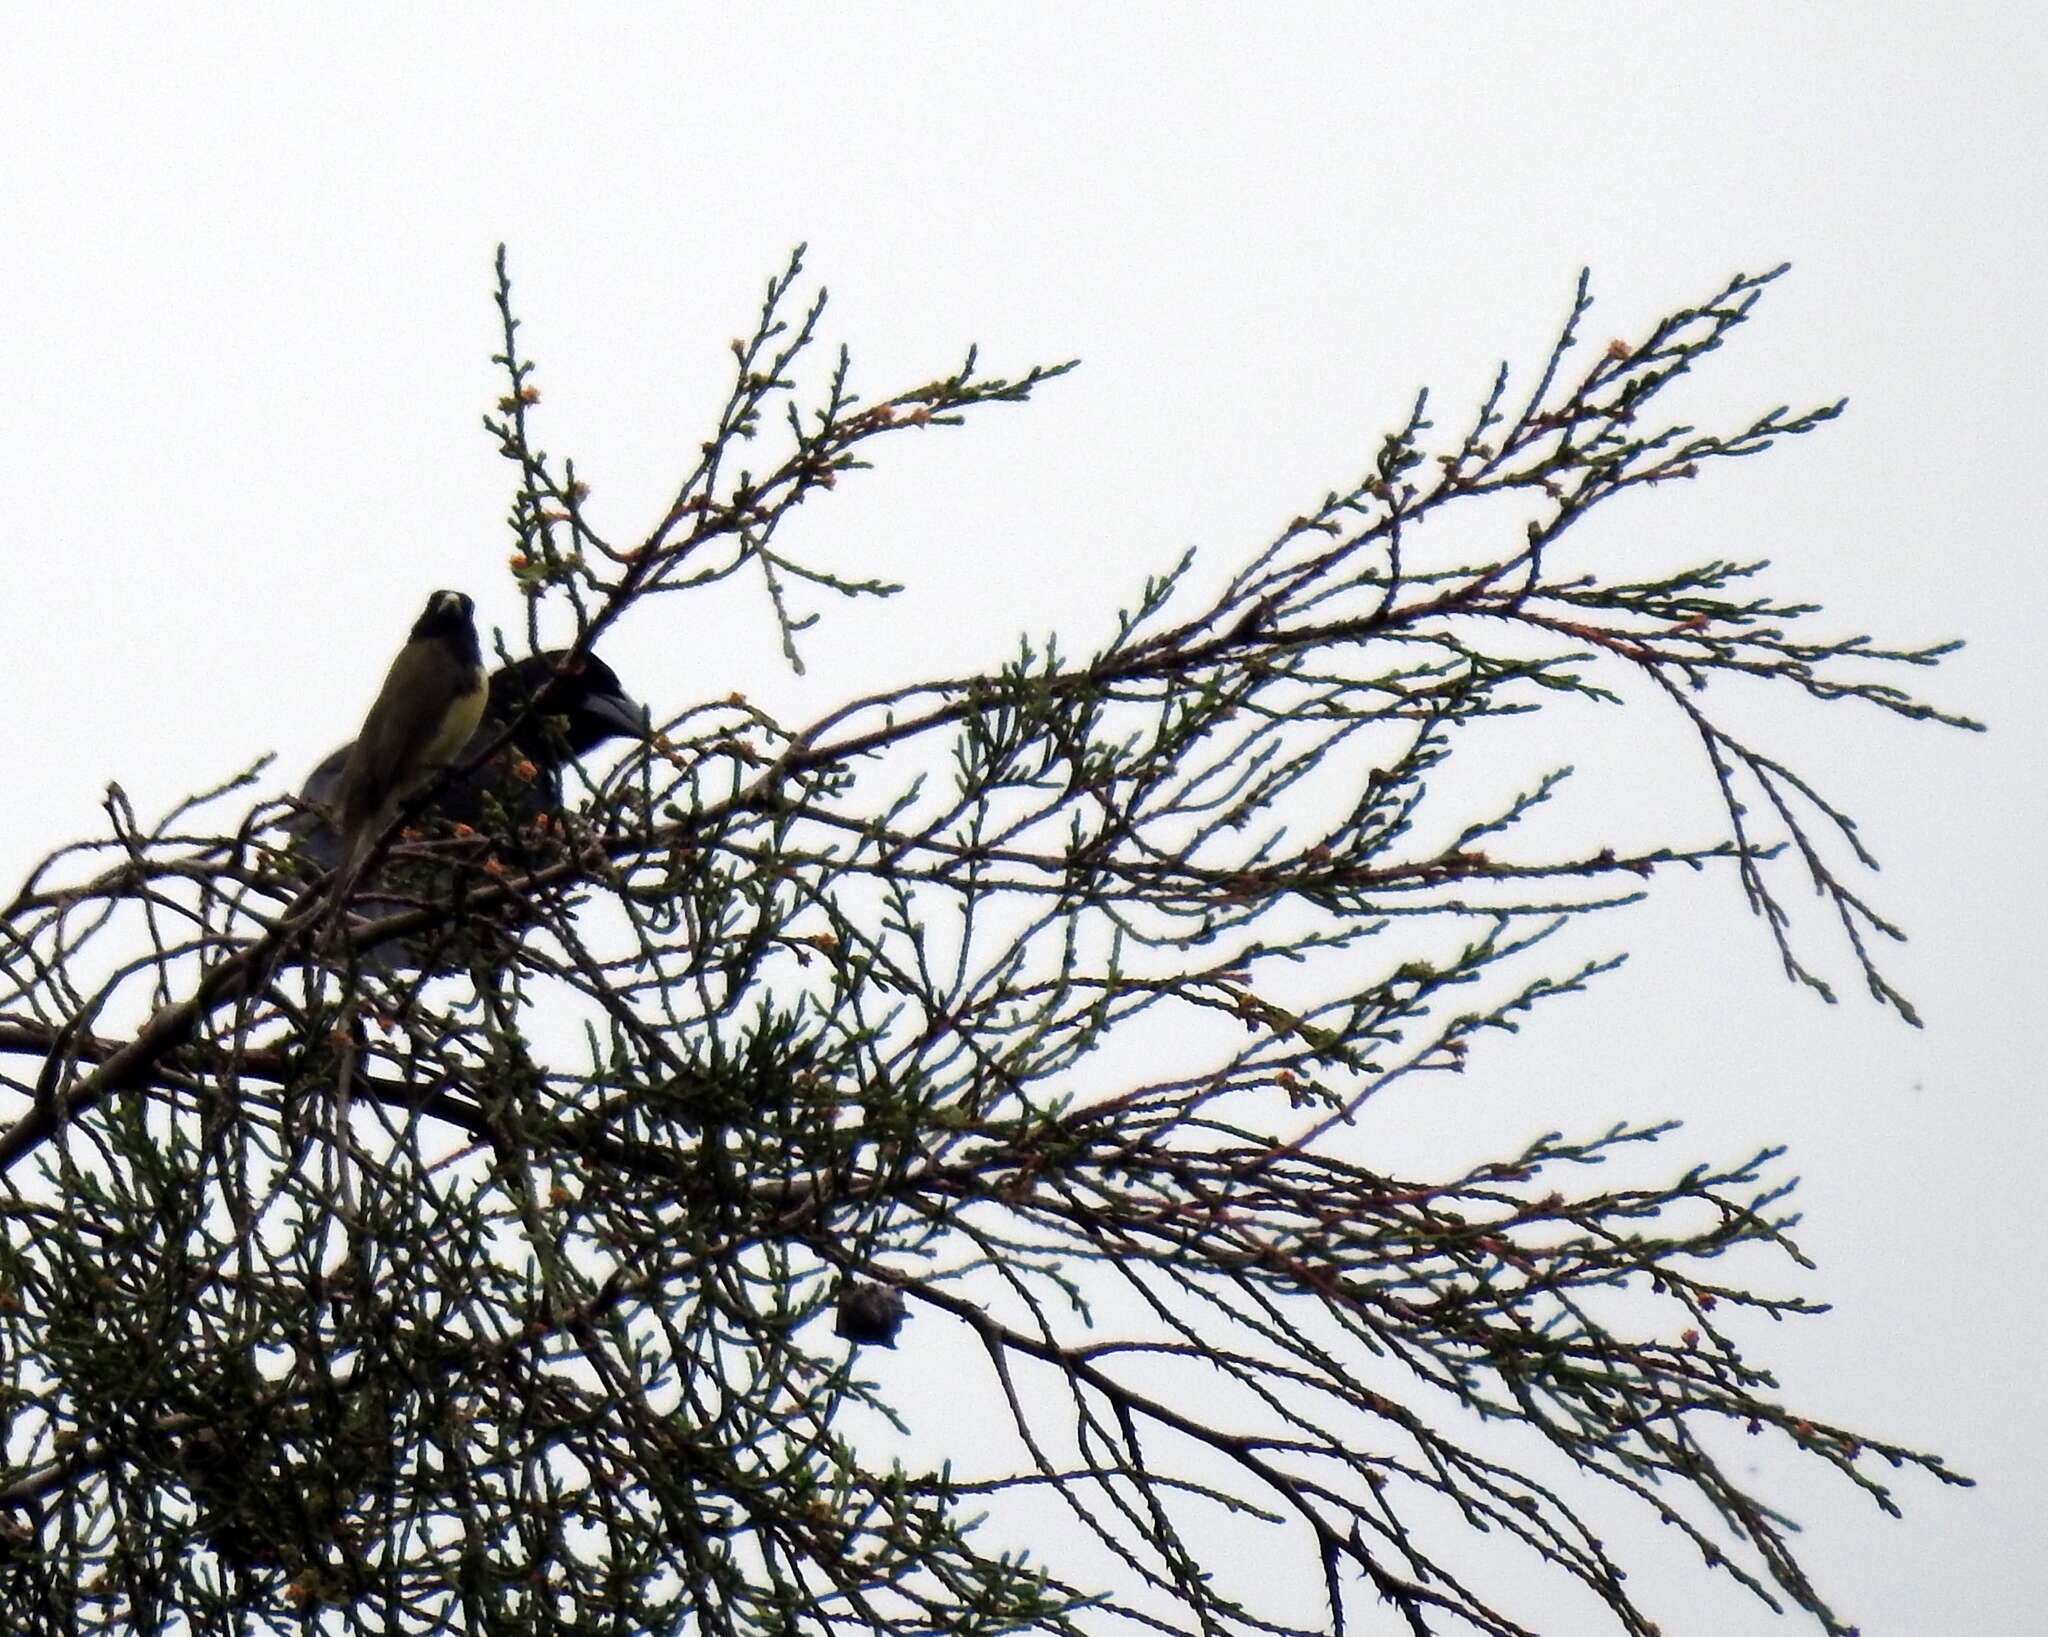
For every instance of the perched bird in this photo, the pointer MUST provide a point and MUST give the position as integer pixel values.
(870, 1314)
(556, 710)
(555, 719)
(431, 702)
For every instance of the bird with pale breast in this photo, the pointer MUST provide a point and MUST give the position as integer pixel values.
(431, 702)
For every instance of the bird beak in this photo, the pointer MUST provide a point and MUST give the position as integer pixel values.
(616, 711)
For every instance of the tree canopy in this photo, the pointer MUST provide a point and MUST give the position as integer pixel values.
(1031, 1019)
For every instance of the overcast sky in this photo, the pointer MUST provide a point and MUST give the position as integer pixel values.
(245, 332)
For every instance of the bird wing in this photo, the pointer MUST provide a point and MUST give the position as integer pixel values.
(319, 807)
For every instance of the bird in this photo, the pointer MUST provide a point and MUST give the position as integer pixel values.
(548, 709)
(558, 710)
(431, 703)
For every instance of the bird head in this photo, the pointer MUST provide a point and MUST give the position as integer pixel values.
(563, 708)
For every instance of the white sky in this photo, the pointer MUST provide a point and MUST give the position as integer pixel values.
(245, 331)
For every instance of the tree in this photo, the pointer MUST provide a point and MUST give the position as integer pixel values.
(1036, 1015)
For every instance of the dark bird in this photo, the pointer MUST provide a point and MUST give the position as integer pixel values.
(430, 704)
(870, 1314)
(555, 719)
